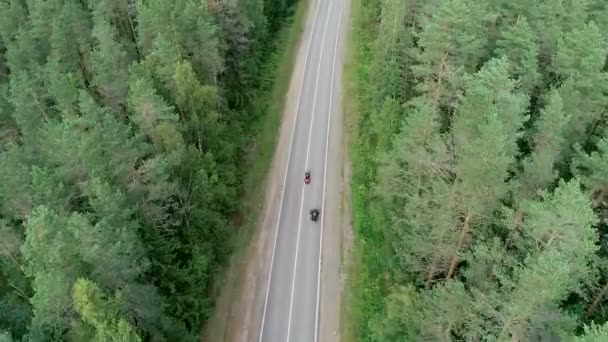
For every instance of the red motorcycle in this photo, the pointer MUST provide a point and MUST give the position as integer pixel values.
(307, 177)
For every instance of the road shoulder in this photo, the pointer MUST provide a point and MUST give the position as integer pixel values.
(337, 233)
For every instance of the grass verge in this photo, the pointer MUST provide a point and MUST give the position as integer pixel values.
(366, 288)
(351, 321)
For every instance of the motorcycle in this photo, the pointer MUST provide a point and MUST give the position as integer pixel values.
(314, 215)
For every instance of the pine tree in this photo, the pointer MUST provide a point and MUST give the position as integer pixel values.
(53, 262)
(71, 40)
(111, 245)
(160, 63)
(547, 20)
(518, 43)
(580, 61)
(5, 337)
(150, 112)
(192, 28)
(63, 88)
(121, 15)
(15, 179)
(109, 63)
(3, 65)
(14, 15)
(390, 62)
(444, 314)
(15, 291)
(29, 100)
(152, 20)
(198, 106)
(255, 13)
(484, 141)
(24, 53)
(593, 333)
(510, 11)
(452, 42)
(40, 14)
(576, 14)
(592, 170)
(101, 314)
(562, 227)
(413, 180)
(8, 127)
(597, 10)
(539, 168)
(485, 131)
(235, 32)
(580, 53)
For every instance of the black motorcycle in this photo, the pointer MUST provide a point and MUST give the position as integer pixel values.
(314, 215)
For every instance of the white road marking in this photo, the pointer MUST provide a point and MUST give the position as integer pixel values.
(312, 31)
(331, 94)
(314, 105)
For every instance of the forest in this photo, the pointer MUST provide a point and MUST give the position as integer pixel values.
(480, 170)
(123, 129)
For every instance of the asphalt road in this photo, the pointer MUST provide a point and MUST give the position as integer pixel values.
(291, 308)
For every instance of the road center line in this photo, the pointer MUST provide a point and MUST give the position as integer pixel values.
(314, 105)
(293, 129)
(331, 94)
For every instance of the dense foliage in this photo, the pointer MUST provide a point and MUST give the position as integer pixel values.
(122, 130)
(482, 145)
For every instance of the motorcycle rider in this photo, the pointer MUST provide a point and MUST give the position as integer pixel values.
(314, 214)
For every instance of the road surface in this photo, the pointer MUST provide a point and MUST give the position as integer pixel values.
(292, 302)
